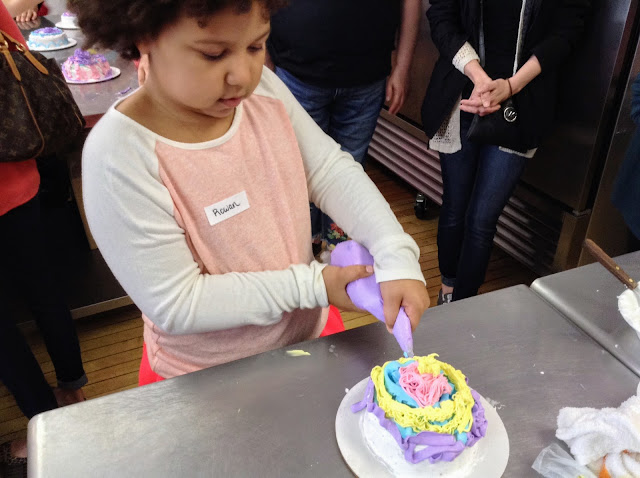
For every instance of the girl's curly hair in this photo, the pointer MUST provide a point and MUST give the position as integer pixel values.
(121, 24)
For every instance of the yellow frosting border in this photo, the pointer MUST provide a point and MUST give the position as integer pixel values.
(420, 419)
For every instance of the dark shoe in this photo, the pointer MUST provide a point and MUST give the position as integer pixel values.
(444, 298)
(66, 397)
(18, 470)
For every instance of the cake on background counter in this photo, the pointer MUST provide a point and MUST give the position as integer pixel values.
(68, 20)
(49, 38)
(84, 66)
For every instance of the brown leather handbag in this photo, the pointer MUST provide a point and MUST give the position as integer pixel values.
(38, 115)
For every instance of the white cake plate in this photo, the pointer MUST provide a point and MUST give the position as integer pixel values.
(64, 26)
(116, 73)
(489, 454)
(71, 43)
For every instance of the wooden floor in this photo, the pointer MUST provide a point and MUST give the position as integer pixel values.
(111, 343)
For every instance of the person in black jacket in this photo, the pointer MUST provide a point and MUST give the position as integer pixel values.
(478, 179)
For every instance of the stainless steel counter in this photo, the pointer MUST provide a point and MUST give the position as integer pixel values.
(273, 415)
(588, 296)
(93, 99)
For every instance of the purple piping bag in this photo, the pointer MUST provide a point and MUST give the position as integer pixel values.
(365, 293)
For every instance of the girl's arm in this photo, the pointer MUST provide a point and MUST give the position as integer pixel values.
(340, 187)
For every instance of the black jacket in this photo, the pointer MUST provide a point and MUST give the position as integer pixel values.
(552, 32)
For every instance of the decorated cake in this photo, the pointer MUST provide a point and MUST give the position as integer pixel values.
(426, 406)
(86, 67)
(47, 39)
(68, 20)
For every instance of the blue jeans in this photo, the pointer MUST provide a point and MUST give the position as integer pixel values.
(348, 115)
(478, 181)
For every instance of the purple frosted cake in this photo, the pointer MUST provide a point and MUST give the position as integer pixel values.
(84, 67)
(427, 408)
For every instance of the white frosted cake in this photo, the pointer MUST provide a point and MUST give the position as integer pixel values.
(68, 20)
(47, 39)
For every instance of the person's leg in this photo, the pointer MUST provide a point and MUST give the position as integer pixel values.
(497, 177)
(458, 177)
(317, 102)
(353, 120)
(20, 372)
(19, 369)
(25, 255)
(354, 117)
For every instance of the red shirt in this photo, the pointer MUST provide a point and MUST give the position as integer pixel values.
(19, 182)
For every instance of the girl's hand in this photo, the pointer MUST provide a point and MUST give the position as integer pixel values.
(495, 92)
(27, 16)
(336, 280)
(410, 294)
(397, 87)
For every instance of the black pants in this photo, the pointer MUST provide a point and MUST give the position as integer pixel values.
(25, 266)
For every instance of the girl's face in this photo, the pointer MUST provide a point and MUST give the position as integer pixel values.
(208, 70)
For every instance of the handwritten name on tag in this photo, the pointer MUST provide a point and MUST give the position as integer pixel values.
(227, 208)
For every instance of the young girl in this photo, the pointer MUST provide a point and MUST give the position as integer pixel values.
(196, 189)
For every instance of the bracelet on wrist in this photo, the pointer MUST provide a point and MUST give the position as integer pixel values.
(510, 89)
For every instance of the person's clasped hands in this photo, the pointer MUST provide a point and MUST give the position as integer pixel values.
(487, 96)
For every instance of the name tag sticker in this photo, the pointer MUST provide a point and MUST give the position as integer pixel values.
(227, 208)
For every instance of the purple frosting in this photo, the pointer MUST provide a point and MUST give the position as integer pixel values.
(365, 293)
(83, 57)
(439, 446)
(48, 31)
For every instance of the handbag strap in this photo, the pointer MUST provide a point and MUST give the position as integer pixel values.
(5, 38)
(519, 42)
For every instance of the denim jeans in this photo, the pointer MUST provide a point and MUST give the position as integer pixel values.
(24, 263)
(348, 115)
(478, 181)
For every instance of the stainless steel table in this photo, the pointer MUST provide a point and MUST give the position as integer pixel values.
(588, 296)
(273, 415)
(94, 99)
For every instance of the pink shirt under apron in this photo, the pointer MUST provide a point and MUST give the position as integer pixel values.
(271, 235)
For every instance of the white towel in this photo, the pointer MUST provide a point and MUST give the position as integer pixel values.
(594, 434)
